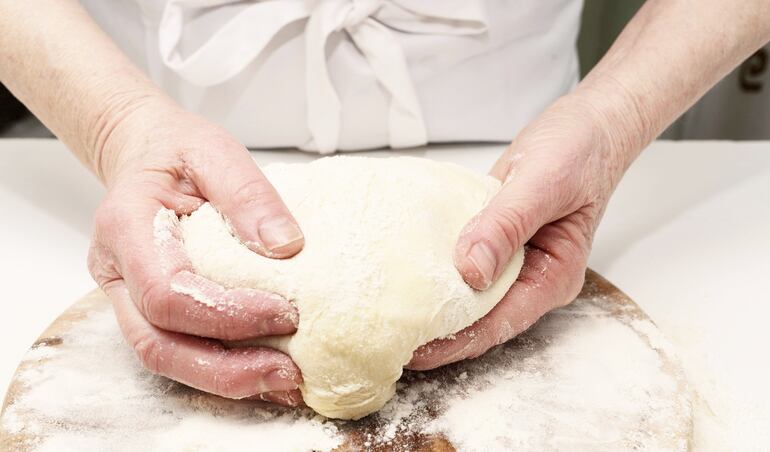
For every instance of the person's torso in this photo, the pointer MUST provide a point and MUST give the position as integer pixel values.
(353, 74)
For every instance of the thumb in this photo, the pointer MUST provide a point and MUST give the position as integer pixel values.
(489, 240)
(233, 183)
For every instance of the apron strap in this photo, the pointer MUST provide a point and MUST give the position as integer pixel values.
(231, 48)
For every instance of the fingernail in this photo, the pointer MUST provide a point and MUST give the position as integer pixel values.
(278, 233)
(482, 257)
(280, 380)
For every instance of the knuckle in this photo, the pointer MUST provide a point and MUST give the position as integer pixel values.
(101, 261)
(584, 226)
(101, 265)
(154, 302)
(511, 226)
(149, 350)
(251, 192)
(572, 257)
(571, 240)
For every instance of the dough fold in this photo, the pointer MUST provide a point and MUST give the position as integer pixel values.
(375, 279)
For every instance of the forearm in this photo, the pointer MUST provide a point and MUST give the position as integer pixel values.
(667, 57)
(58, 62)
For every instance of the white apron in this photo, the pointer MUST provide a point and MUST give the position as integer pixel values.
(330, 75)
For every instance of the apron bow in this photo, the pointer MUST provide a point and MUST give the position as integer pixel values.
(370, 24)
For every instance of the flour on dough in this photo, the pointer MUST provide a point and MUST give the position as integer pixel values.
(375, 279)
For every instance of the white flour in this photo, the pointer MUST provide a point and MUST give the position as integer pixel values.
(614, 397)
(100, 383)
(580, 380)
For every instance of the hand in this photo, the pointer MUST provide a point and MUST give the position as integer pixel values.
(158, 164)
(557, 179)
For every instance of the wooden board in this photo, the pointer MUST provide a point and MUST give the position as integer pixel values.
(574, 386)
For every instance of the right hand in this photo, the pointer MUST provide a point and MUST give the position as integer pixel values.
(164, 158)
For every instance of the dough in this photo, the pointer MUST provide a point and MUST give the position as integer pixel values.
(375, 279)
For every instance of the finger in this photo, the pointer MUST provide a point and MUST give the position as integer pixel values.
(203, 364)
(150, 258)
(233, 183)
(286, 398)
(182, 204)
(527, 201)
(196, 305)
(545, 282)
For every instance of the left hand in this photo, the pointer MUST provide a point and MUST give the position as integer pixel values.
(561, 170)
(558, 175)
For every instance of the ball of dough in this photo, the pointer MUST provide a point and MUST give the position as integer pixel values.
(375, 279)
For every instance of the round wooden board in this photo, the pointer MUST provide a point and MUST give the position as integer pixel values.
(80, 388)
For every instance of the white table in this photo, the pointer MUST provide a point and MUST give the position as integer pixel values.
(687, 235)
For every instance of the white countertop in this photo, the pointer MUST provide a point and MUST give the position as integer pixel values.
(687, 236)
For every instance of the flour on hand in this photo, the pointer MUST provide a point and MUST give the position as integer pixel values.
(375, 279)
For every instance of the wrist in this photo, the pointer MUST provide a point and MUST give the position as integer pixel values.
(120, 129)
(618, 118)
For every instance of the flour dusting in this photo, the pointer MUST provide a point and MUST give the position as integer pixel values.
(96, 397)
(582, 379)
